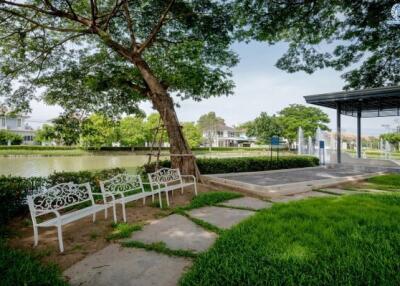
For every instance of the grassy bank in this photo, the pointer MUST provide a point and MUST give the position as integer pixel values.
(349, 240)
(75, 151)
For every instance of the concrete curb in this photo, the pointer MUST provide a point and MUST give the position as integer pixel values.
(283, 189)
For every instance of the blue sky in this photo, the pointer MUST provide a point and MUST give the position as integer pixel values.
(260, 86)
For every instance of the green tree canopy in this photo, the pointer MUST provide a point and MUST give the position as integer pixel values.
(132, 131)
(208, 124)
(297, 115)
(67, 128)
(99, 130)
(392, 138)
(357, 34)
(264, 127)
(192, 134)
(109, 55)
(8, 136)
(46, 133)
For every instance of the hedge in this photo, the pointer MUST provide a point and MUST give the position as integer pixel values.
(244, 164)
(13, 190)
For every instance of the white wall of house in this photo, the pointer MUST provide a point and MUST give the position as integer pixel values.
(227, 137)
(18, 125)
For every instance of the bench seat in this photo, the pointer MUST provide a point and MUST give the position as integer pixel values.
(73, 216)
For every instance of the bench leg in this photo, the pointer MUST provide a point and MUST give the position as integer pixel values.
(105, 213)
(144, 201)
(114, 212)
(166, 194)
(195, 189)
(123, 211)
(36, 235)
(94, 217)
(182, 190)
(152, 198)
(159, 199)
(60, 239)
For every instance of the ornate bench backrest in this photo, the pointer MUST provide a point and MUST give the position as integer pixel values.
(60, 197)
(122, 183)
(165, 176)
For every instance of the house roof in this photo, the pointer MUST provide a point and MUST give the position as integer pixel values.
(372, 102)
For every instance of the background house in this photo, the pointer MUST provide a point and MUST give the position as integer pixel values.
(16, 123)
(226, 136)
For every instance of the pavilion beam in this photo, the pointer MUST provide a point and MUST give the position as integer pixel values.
(359, 133)
(338, 133)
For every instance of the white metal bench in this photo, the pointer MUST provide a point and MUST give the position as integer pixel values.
(167, 180)
(60, 201)
(125, 188)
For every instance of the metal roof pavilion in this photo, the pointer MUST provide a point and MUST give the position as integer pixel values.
(365, 103)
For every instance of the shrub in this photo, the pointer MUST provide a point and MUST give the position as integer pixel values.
(6, 136)
(20, 268)
(244, 164)
(13, 190)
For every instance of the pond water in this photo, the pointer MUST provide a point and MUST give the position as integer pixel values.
(29, 166)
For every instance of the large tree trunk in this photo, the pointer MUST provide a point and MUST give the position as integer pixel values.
(181, 155)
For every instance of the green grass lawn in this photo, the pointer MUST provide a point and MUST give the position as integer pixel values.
(347, 240)
(390, 182)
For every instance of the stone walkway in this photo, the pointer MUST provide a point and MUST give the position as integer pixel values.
(117, 265)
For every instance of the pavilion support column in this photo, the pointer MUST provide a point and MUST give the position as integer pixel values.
(359, 133)
(338, 133)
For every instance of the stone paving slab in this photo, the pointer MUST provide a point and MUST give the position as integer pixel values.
(177, 232)
(220, 217)
(114, 265)
(248, 202)
(285, 199)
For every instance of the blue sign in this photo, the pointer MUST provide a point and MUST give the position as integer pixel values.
(321, 144)
(275, 140)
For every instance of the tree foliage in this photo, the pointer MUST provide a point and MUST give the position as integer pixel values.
(356, 33)
(99, 130)
(392, 138)
(192, 134)
(45, 134)
(8, 136)
(208, 124)
(81, 52)
(297, 115)
(264, 127)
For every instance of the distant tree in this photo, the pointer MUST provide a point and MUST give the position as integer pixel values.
(297, 115)
(99, 130)
(208, 124)
(392, 138)
(45, 134)
(132, 131)
(68, 128)
(192, 134)
(152, 123)
(362, 43)
(264, 127)
(7, 136)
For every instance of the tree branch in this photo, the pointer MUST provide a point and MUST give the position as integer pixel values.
(130, 26)
(58, 29)
(156, 28)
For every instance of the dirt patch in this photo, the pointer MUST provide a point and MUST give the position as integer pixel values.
(83, 237)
